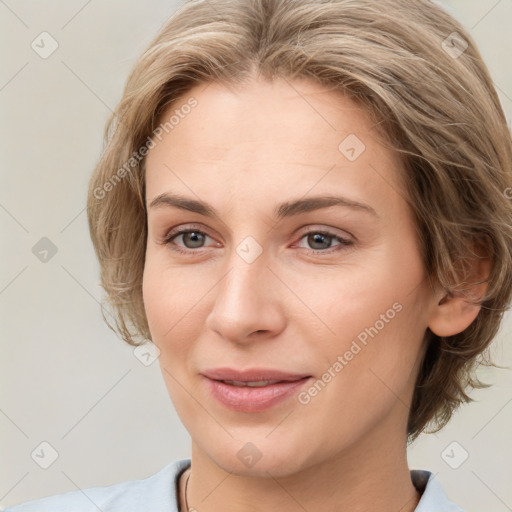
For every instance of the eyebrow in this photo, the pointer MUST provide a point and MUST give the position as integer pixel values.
(286, 209)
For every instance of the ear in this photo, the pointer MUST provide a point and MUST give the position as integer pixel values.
(455, 309)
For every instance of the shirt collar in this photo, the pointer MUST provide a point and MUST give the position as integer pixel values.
(433, 497)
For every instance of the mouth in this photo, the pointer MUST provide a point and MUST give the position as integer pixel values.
(252, 384)
(252, 376)
(254, 390)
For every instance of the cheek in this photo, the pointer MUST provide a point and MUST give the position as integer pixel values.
(367, 375)
(175, 305)
(376, 322)
(172, 303)
(156, 296)
(164, 295)
(353, 296)
(171, 327)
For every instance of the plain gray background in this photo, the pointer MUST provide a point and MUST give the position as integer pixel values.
(66, 379)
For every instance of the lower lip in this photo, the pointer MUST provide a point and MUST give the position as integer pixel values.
(250, 399)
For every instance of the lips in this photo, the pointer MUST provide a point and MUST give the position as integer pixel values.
(254, 390)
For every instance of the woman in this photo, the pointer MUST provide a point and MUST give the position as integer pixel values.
(304, 206)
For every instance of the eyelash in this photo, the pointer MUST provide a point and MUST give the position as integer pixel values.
(174, 234)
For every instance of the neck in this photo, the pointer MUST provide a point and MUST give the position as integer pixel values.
(372, 471)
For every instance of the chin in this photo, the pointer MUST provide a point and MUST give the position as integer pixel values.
(259, 458)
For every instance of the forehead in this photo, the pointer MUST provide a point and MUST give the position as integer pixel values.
(270, 136)
(301, 113)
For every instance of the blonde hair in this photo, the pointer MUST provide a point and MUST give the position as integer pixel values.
(407, 63)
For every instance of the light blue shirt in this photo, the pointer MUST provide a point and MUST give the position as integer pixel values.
(159, 493)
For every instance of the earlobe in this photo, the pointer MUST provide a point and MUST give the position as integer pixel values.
(454, 311)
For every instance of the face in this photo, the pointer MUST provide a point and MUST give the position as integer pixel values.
(334, 292)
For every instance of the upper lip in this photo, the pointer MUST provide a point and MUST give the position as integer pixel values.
(252, 374)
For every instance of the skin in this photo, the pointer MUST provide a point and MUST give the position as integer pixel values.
(244, 151)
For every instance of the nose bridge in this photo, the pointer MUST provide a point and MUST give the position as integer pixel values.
(247, 261)
(243, 286)
(244, 301)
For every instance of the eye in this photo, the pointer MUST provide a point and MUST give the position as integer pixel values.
(191, 238)
(322, 240)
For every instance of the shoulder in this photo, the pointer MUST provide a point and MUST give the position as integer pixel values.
(156, 493)
(433, 496)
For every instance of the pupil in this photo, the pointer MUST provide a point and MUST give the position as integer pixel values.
(196, 236)
(317, 238)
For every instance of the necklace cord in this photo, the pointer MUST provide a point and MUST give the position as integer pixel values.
(185, 497)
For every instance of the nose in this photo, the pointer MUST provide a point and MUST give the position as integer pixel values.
(247, 303)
